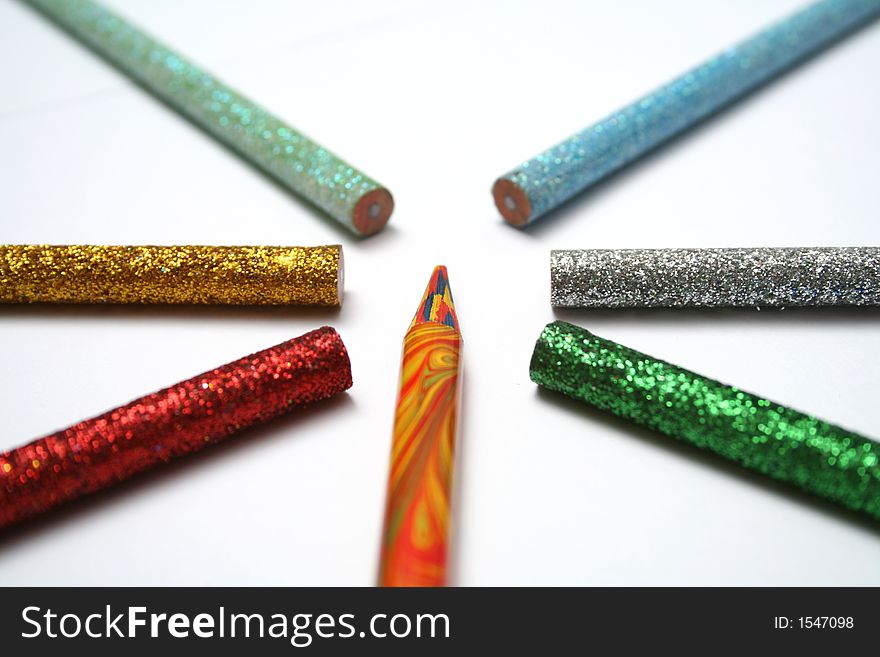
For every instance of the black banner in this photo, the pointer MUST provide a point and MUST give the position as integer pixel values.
(423, 621)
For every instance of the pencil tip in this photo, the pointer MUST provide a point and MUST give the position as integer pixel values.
(437, 305)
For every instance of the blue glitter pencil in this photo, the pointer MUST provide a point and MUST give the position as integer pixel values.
(553, 177)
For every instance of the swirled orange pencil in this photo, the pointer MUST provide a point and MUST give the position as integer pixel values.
(415, 542)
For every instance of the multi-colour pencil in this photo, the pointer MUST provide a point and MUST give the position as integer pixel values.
(417, 516)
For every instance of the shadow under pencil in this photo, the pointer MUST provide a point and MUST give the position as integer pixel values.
(728, 316)
(159, 312)
(579, 202)
(631, 431)
(274, 430)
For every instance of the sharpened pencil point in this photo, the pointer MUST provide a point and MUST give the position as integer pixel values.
(437, 305)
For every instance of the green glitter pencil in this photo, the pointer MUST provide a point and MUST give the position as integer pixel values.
(757, 433)
(349, 196)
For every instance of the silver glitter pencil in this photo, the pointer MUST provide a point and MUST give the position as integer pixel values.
(715, 278)
(553, 177)
(349, 196)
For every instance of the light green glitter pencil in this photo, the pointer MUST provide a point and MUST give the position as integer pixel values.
(759, 434)
(352, 198)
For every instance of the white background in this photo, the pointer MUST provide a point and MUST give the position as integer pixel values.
(436, 100)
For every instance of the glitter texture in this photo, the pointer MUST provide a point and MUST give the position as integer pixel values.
(241, 275)
(173, 422)
(757, 433)
(349, 196)
(551, 178)
(677, 278)
(415, 543)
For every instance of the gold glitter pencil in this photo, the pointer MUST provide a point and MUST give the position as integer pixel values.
(231, 275)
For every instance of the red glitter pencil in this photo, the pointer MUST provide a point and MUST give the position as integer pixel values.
(184, 418)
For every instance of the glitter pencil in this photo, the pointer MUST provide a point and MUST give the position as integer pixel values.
(758, 434)
(705, 278)
(173, 422)
(551, 178)
(347, 195)
(417, 517)
(232, 275)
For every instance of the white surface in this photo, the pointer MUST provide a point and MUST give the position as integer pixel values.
(436, 101)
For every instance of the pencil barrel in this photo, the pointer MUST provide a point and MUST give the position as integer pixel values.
(173, 422)
(300, 164)
(554, 176)
(706, 278)
(236, 275)
(758, 434)
(417, 520)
